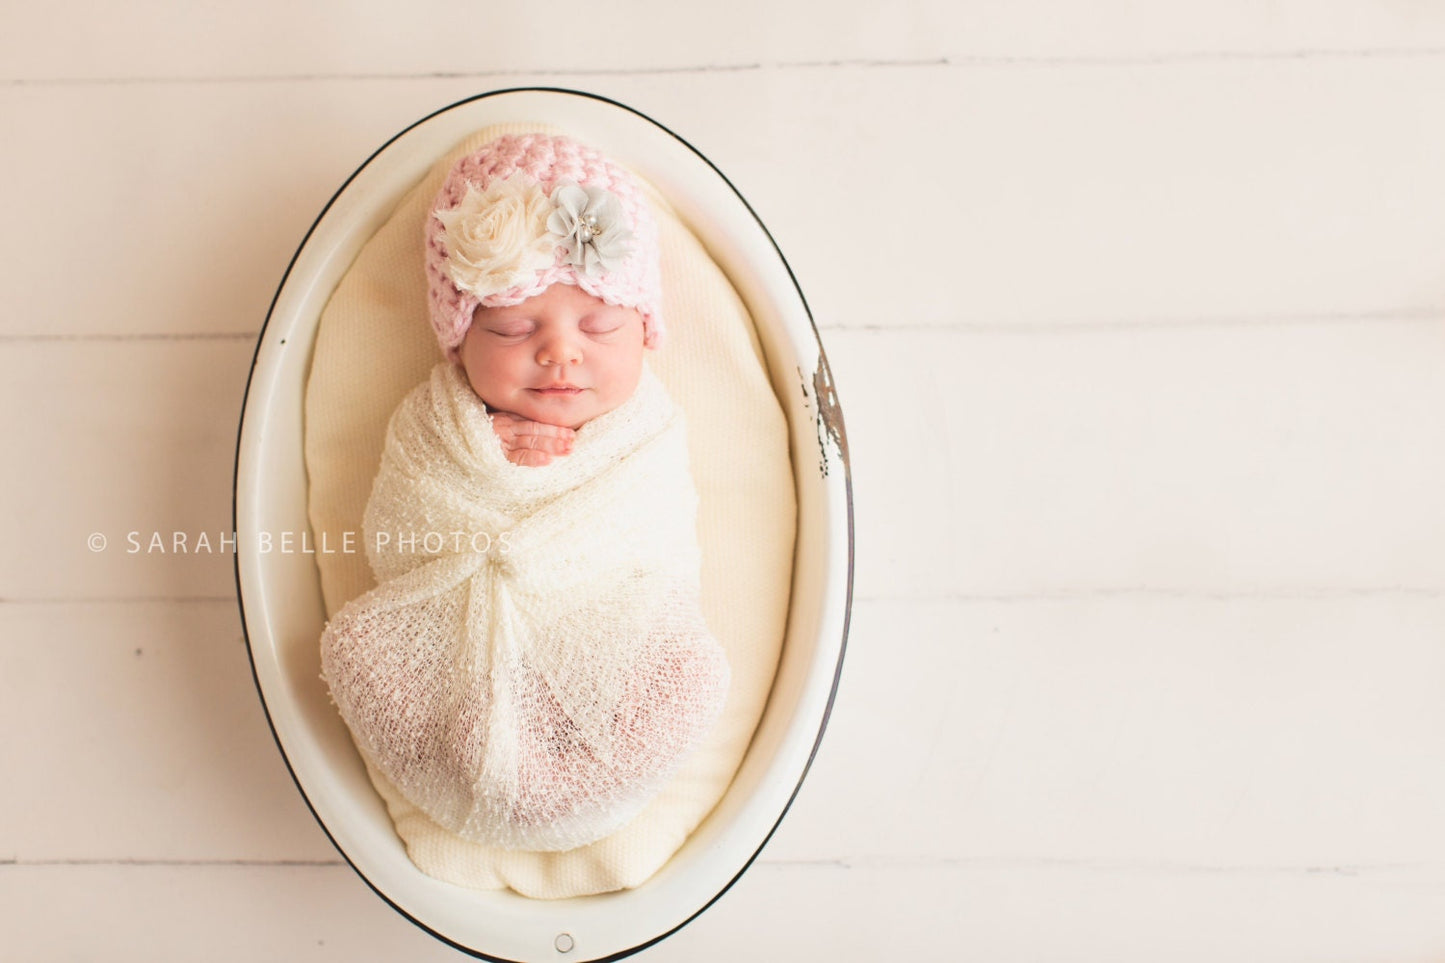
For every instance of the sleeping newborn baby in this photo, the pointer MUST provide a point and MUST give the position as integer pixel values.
(533, 663)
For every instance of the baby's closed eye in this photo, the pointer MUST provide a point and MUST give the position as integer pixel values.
(518, 330)
(600, 327)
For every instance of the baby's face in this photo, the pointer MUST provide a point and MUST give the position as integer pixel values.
(561, 358)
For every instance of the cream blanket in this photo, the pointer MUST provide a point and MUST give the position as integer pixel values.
(533, 663)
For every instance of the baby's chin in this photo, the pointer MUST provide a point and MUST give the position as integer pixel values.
(551, 414)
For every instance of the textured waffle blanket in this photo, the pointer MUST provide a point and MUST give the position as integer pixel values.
(533, 663)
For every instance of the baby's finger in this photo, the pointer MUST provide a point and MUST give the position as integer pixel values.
(531, 434)
(528, 457)
(519, 433)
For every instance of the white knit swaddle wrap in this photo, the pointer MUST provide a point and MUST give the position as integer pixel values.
(533, 663)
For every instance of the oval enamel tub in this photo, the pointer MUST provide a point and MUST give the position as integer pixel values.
(280, 592)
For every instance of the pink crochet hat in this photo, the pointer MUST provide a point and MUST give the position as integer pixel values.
(524, 212)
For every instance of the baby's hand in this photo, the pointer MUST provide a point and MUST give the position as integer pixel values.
(531, 442)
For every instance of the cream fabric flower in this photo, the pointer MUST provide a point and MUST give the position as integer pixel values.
(498, 238)
(591, 225)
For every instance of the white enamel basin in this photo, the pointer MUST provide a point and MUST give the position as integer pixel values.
(280, 592)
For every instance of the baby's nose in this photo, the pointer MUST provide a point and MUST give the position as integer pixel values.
(559, 349)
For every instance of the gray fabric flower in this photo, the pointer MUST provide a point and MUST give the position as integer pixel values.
(592, 227)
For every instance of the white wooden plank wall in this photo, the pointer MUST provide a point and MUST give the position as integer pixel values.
(1137, 314)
